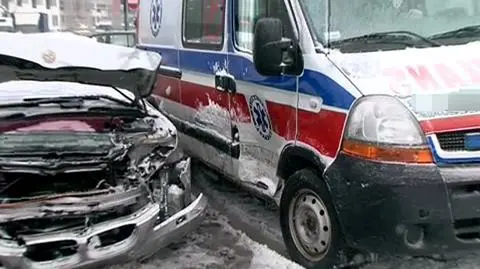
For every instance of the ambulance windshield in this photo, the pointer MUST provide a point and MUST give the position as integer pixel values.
(424, 18)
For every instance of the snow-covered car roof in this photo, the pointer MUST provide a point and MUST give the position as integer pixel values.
(75, 58)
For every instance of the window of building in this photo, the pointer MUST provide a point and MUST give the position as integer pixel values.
(5, 3)
(51, 3)
(203, 23)
(55, 20)
(19, 3)
(248, 12)
(34, 3)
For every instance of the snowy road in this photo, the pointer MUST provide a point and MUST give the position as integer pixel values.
(223, 242)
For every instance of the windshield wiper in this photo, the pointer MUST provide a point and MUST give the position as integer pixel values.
(393, 37)
(463, 32)
(64, 101)
(79, 98)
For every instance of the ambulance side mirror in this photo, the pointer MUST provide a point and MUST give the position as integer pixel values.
(274, 55)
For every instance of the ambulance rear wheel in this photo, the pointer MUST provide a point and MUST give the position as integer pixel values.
(309, 224)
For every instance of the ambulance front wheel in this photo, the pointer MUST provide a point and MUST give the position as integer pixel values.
(309, 224)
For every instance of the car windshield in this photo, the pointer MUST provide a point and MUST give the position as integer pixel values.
(358, 18)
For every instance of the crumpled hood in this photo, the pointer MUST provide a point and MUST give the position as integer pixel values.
(425, 79)
(73, 58)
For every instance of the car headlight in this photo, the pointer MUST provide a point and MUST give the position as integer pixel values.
(381, 128)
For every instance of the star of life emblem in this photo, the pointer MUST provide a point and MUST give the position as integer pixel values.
(156, 10)
(261, 119)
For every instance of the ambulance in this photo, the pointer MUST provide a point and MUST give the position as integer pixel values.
(361, 119)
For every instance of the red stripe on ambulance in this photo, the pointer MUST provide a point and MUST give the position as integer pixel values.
(321, 130)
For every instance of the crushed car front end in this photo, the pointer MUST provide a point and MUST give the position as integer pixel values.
(90, 173)
(119, 197)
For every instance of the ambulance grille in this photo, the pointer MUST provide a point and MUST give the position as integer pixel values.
(454, 141)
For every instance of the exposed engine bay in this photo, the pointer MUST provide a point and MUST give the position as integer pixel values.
(58, 185)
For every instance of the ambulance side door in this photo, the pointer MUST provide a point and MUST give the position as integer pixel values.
(206, 86)
(263, 108)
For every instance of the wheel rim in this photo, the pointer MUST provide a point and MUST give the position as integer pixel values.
(310, 225)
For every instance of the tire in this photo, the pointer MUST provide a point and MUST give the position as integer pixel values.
(308, 193)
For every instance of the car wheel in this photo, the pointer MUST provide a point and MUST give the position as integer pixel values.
(309, 224)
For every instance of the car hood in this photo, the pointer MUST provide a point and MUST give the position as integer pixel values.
(74, 58)
(432, 82)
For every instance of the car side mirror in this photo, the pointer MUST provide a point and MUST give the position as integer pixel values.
(274, 55)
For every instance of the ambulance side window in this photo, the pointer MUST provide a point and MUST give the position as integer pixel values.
(248, 12)
(203, 24)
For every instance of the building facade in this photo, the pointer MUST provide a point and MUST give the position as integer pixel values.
(74, 15)
(25, 7)
(85, 14)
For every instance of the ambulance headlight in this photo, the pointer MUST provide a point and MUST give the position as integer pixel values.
(383, 119)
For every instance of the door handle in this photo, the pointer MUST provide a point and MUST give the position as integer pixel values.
(219, 84)
(225, 83)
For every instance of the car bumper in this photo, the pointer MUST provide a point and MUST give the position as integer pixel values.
(143, 234)
(406, 209)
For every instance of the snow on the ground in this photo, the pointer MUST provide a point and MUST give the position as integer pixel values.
(215, 245)
(256, 217)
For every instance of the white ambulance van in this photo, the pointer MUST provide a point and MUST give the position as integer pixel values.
(360, 118)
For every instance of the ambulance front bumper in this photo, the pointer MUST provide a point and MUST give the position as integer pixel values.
(402, 209)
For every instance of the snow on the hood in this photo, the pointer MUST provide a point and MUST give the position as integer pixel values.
(423, 78)
(412, 70)
(68, 49)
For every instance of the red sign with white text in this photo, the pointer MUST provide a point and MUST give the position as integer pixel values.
(430, 77)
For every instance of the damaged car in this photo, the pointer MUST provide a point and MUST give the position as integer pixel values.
(90, 171)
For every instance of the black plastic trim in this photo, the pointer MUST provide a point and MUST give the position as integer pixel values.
(292, 151)
(205, 137)
(169, 71)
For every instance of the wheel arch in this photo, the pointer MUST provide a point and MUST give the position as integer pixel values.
(295, 157)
